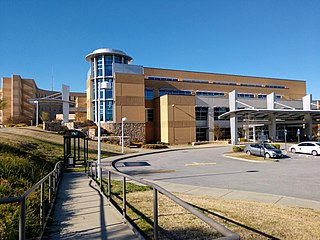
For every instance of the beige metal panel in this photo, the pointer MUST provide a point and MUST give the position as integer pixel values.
(129, 97)
(89, 99)
(132, 113)
(177, 119)
(130, 101)
(164, 118)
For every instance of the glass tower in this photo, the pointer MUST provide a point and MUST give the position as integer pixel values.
(102, 70)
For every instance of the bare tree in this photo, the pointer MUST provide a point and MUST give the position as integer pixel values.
(44, 116)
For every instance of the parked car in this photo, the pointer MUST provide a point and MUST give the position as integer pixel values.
(306, 147)
(264, 149)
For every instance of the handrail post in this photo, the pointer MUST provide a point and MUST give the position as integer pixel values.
(155, 213)
(22, 219)
(100, 174)
(50, 190)
(56, 179)
(42, 206)
(109, 185)
(96, 170)
(124, 199)
(91, 172)
(54, 182)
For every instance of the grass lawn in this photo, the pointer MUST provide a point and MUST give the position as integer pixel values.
(251, 220)
(26, 155)
(245, 156)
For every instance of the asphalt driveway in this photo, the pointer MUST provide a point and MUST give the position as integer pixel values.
(296, 176)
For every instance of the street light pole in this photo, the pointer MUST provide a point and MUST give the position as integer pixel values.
(99, 134)
(174, 135)
(122, 133)
(104, 86)
(37, 112)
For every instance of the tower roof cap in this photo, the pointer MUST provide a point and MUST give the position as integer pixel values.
(108, 51)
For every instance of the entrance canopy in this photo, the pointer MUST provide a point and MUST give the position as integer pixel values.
(280, 115)
(276, 113)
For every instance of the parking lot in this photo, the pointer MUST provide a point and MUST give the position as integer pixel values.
(297, 175)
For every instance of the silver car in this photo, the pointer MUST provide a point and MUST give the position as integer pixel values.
(266, 150)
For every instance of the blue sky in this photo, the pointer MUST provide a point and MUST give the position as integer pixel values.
(271, 38)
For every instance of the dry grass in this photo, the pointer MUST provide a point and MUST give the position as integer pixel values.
(36, 134)
(251, 220)
(247, 157)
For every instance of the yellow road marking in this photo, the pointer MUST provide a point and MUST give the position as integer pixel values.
(200, 164)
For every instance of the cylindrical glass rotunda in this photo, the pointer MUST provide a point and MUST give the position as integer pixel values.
(102, 70)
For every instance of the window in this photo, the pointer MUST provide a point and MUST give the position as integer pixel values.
(201, 113)
(109, 92)
(148, 93)
(218, 111)
(211, 94)
(225, 83)
(108, 60)
(149, 114)
(201, 134)
(274, 86)
(108, 70)
(109, 111)
(117, 59)
(174, 92)
(99, 66)
(250, 85)
(245, 95)
(262, 96)
(195, 80)
(162, 78)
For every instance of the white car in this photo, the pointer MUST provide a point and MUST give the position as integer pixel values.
(306, 147)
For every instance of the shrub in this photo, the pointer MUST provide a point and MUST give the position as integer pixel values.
(238, 148)
(155, 146)
(10, 125)
(40, 125)
(21, 125)
(136, 144)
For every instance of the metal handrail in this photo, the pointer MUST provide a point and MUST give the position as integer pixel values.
(228, 234)
(54, 179)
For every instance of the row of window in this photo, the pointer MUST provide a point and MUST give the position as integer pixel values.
(174, 92)
(195, 80)
(250, 85)
(211, 94)
(104, 93)
(274, 86)
(214, 82)
(202, 112)
(162, 78)
(107, 60)
(263, 96)
(106, 107)
(149, 93)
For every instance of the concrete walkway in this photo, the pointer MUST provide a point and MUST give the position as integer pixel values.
(81, 212)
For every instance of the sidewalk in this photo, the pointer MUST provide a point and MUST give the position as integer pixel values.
(81, 212)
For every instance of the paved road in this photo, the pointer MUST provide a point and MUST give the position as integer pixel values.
(296, 176)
